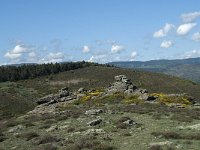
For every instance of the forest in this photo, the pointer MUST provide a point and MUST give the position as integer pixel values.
(30, 71)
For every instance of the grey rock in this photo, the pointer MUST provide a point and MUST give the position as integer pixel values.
(93, 131)
(47, 99)
(63, 92)
(119, 77)
(94, 122)
(80, 96)
(129, 122)
(81, 90)
(94, 112)
(143, 96)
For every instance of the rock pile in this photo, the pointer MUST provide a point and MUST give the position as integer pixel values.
(124, 85)
(61, 96)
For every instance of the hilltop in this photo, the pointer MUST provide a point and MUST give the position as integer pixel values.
(119, 116)
(18, 97)
(184, 68)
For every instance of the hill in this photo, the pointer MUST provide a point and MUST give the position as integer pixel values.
(19, 97)
(121, 116)
(184, 68)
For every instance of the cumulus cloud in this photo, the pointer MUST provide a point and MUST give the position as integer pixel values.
(53, 58)
(16, 52)
(86, 49)
(189, 17)
(191, 54)
(185, 28)
(117, 48)
(10, 55)
(164, 31)
(133, 55)
(166, 44)
(196, 37)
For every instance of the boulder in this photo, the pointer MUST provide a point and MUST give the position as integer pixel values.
(129, 122)
(64, 92)
(47, 99)
(94, 122)
(81, 90)
(94, 131)
(94, 112)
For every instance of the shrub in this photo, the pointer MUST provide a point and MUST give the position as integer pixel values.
(167, 135)
(177, 99)
(2, 137)
(29, 135)
(155, 147)
(119, 123)
(90, 143)
(47, 139)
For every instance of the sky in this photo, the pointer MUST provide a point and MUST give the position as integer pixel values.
(43, 31)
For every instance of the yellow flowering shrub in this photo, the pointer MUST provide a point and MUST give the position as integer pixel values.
(168, 99)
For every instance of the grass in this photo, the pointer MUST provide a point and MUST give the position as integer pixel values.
(175, 135)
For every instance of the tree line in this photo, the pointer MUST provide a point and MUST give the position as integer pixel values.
(30, 71)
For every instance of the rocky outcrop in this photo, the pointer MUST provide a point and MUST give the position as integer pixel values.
(124, 85)
(63, 95)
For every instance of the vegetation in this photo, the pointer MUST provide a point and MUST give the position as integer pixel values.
(30, 71)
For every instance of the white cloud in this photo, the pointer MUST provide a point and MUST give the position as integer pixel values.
(117, 48)
(97, 58)
(185, 28)
(19, 49)
(53, 57)
(196, 37)
(11, 56)
(191, 54)
(133, 55)
(32, 54)
(189, 17)
(164, 31)
(86, 49)
(166, 44)
(16, 52)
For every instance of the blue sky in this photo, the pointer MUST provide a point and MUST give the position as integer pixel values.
(98, 30)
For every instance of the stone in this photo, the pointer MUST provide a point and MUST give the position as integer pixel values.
(93, 131)
(47, 99)
(79, 96)
(94, 112)
(129, 122)
(119, 77)
(94, 122)
(81, 90)
(64, 92)
(143, 96)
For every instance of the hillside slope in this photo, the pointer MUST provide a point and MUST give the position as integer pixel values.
(22, 94)
(184, 68)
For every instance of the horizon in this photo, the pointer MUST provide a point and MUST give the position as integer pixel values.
(98, 31)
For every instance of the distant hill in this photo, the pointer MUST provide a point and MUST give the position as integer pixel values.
(184, 68)
(19, 97)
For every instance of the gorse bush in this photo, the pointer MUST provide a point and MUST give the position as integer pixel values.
(168, 99)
